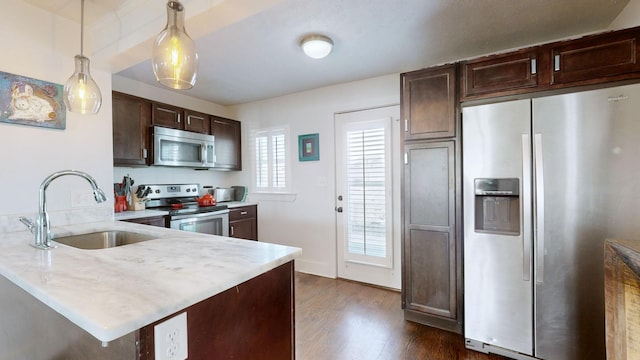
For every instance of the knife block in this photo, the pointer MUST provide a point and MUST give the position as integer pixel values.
(136, 202)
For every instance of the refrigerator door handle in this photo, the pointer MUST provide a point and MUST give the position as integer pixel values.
(539, 209)
(526, 208)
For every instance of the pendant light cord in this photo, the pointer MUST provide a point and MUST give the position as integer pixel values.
(82, 28)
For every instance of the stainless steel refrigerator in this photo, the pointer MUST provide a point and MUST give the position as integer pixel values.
(545, 182)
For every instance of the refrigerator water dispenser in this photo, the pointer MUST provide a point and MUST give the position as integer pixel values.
(497, 206)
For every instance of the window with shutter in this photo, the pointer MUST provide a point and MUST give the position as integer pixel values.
(271, 171)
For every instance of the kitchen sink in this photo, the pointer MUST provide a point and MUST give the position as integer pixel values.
(103, 239)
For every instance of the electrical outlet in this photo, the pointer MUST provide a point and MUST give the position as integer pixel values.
(170, 338)
(81, 198)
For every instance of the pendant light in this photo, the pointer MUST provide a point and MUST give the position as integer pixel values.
(81, 93)
(174, 57)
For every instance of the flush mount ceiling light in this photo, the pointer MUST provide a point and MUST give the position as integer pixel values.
(174, 57)
(316, 46)
(81, 94)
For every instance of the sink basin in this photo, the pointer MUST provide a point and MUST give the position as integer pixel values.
(103, 239)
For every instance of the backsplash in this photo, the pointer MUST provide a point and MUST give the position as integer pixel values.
(169, 175)
(81, 215)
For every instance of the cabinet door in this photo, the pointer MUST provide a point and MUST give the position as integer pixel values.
(243, 229)
(243, 222)
(131, 119)
(168, 116)
(228, 143)
(428, 103)
(503, 74)
(596, 59)
(431, 270)
(196, 122)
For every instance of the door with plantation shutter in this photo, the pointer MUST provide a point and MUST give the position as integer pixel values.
(366, 240)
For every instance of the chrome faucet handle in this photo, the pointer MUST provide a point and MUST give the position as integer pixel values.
(28, 223)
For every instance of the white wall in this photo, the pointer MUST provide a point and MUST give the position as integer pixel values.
(308, 220)
(40, 45)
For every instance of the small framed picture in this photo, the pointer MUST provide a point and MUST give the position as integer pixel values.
(309, 147)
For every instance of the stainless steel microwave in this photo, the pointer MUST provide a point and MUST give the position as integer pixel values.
(173, 147)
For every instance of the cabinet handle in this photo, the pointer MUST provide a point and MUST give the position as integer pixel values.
(188, 119)
(178, 118)
(538, 216)
(556, 63)
(243, 213)
(406, 125)
(406, 158)
(534, 67)
(144, 153)
(231, 229)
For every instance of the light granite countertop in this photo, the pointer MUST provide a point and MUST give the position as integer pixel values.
(112, 292)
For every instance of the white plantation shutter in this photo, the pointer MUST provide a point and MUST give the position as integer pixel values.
(279, 161)
(271, 163)
(262, 160)
(367, 175)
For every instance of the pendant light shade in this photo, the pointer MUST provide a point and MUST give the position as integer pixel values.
(82, 94)
(174, 57)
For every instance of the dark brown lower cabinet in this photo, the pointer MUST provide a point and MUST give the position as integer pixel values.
(159, 221)
(243, 222)
(431, 264)
(254, 320)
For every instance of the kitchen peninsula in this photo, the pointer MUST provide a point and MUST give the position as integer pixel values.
(102, 304)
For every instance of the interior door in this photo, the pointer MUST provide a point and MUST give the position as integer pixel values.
(367, 196)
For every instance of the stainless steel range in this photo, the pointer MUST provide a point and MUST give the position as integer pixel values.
(184, 212)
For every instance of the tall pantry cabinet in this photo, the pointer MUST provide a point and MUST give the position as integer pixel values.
(431, 244)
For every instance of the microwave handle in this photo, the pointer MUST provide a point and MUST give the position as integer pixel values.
(203, 154)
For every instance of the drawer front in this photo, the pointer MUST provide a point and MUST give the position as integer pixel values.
(244, 212)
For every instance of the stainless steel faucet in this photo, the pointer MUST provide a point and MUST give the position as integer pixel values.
(41, 228)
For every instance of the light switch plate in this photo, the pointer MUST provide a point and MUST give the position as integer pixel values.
(170, 338)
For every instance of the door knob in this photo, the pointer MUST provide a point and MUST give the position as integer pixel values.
(339, 209)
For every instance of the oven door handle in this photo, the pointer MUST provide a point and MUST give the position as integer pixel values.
(199, 215)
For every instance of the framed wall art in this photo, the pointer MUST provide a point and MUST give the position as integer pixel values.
(27, 101)
(309, 147)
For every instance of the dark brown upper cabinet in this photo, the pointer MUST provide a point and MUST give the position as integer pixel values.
(503, 74)
(178, 118)
(131, 121)
(596, 59)
(197, 122)
(428, 103)
(228, 143)
(560, 66)
(133, 118)
(167, 116)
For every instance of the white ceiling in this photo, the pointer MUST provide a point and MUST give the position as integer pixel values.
(257, 56)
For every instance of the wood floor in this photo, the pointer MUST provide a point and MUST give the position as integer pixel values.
(338, 319)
